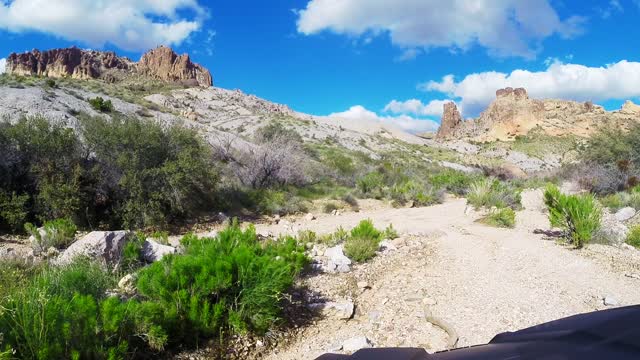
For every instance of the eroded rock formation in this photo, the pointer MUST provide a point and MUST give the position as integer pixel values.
(451, 119)
(161, 63)
(513, 113)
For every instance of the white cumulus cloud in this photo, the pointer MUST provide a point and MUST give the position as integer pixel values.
(416, 107)
(618, 81)
(407, 123)
(3, 65)
(504, 27)
(128, 24)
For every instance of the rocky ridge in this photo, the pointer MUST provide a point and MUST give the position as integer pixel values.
(513, 113)
(160, 63)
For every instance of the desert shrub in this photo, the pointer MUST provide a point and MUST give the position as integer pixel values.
(330, 207)
(272, 201)
(578, 215)
(307, 236)
(58, 233)
(616, 201)
(363, 242)
(492, 192)
(633, 238)
(100, 104)
(149, 175)
(235, 284)
(13, 211)
(454, 181)
(600, 179)
(505, 218)
(371, 184)
(634, 200)
(351, 201)
(50, 83)
(419, 194)
(390, 233)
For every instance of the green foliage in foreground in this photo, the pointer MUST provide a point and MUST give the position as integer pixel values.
(633, 238)
(100, 104)
(363, 242)
(503, 218)
(578, 215)
(229, 284)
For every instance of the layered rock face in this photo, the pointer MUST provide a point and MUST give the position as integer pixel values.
(164, 64)
(451, 119)
(73, 62)
(513, 113)
(161, 63)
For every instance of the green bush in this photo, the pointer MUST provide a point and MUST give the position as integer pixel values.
(633, 238)
(578, 215)
(100, 104)
(371, 184)
(492, 192)
(456, 182)
(230, 283)
(363, 242)
(13, 211)
(58, 233)
(504, 218)
(615, 201)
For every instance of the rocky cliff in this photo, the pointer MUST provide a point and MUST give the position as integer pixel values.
(513, 113)
(161, 63)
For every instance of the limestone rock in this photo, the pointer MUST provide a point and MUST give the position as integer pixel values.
(356, 343)
(336, 260)
(153, 251)
(611, 231)
(337, 310)
(625, 214)
(104, 246)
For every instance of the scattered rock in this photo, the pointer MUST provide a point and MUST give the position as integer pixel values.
(363, 284)
(309, 217)
(336, 310)
(610, 301)
(386, 245)
(104, 246)
(625, 214)
(336, 260)
(153, 251)
(356, 343)
(398, 243)
(611, 231)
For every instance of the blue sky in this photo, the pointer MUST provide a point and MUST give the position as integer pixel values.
(385, 60)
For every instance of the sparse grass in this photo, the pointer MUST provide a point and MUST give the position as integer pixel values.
(503, 218)
(492, 192)
(633, 238)
(539, 145)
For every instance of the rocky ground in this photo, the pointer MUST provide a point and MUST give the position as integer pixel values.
(448, 272)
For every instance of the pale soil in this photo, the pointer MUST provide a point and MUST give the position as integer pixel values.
(478, 279)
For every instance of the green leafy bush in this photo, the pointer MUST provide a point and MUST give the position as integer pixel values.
(578, 215)
(13, 211)
(100, 104)
(230, 283)
(456, 182)
(58, 233)
(504, 218)
(371, 184)
(419, 194)
(492, 192)
(363, 242)
(633, 238)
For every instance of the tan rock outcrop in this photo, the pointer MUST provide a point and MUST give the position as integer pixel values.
(164, 64)
(513, 113)
(161, 63)
(451, 119)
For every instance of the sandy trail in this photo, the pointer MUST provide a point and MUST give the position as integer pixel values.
(479, 279)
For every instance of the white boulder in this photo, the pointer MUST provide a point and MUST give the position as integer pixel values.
(104, 246)
(153, 251)
(625, 213)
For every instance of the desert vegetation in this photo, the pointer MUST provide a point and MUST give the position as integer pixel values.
(578, 215)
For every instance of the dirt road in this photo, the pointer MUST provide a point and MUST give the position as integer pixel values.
(478, 279)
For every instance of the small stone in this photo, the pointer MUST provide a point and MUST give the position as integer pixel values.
(334, 347)
(340, 311)
(625, 213)
(374, 317)
(398, 243)
(309, 217)
(356, 343)
(259, 343)
(610, 301)
(363, 284)
(386, 245)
